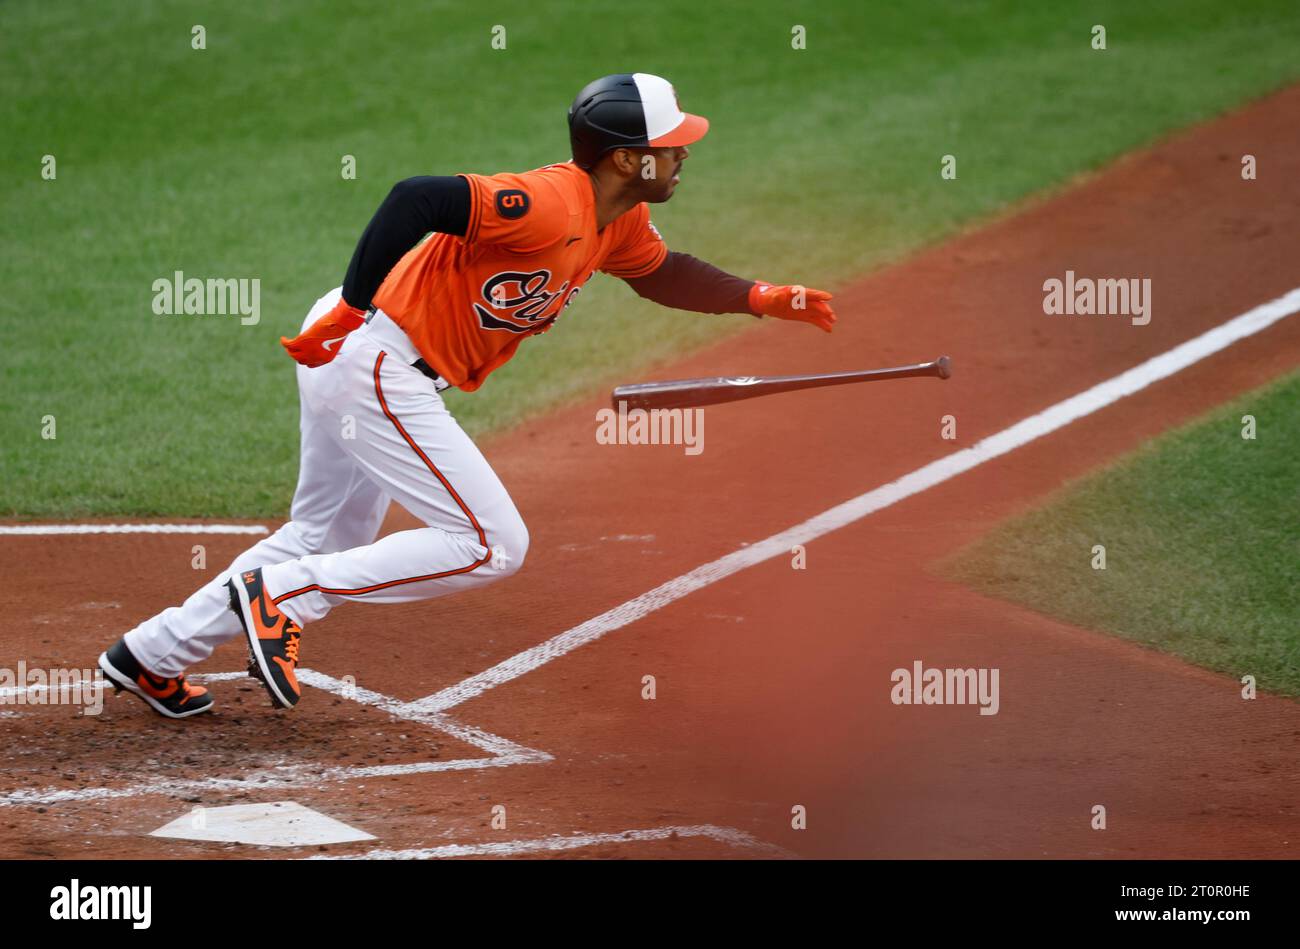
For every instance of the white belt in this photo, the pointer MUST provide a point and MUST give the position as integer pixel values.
(388, 336)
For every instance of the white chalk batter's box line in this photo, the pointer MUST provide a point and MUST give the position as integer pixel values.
(501, 751)
(431, 710)
(513, 848)
(47, 530)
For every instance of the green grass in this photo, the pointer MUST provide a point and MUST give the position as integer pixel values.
(821, 165)
(1202, 549)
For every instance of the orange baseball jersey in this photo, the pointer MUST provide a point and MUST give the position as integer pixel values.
(468, 302)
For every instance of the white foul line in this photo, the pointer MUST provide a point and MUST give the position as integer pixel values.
(469, 734)
(47, 529)
(1021, 433)
(506, 848)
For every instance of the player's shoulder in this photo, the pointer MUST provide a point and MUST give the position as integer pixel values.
(539, 202)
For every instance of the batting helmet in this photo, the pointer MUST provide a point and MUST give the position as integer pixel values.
(629, 110)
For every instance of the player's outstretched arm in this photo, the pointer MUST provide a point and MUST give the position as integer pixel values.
(413, 208)
(688, 283)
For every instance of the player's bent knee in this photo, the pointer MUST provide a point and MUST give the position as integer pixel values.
(509, 546)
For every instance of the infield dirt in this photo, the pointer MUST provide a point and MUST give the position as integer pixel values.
(773, 686)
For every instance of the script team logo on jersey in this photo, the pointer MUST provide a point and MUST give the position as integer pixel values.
(520, 301)
(512, 203)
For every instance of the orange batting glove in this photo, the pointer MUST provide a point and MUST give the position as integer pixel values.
(320, 342)
(792, 303)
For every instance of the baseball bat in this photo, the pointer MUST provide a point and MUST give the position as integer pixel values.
(682, 393)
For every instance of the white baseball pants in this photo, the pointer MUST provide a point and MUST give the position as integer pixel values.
(374, 429)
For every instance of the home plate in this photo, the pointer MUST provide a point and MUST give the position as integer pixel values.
(278, 824)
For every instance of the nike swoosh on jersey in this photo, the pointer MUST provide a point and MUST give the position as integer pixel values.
(326, 344)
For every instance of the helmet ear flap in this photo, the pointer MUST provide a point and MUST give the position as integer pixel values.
(605, 115)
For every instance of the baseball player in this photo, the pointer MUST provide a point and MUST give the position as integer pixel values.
(414, 317)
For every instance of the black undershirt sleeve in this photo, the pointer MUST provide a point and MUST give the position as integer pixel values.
(412, 209)
(688, 283)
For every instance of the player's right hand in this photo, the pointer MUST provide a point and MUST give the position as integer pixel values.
(320, 342)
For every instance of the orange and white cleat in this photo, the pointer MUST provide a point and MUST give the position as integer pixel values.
(172, 697)
(272, 637)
